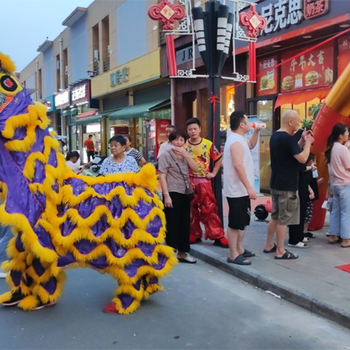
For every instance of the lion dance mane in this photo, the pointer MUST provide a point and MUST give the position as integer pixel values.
(113, 224)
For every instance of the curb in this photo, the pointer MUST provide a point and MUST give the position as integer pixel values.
(296, 297)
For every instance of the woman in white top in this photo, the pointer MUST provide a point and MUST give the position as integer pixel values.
(132, 152)
(338, 159)
(72, 162)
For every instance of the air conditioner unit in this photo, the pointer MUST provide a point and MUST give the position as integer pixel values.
(66, 70)
(109, 50)
(96, 55)
(58, 65)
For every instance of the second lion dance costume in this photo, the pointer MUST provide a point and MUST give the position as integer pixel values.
(203, 207)
(113, 224)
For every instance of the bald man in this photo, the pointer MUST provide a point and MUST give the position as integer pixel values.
(286, 154)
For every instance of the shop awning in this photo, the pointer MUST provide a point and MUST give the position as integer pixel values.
(298, 97)
(138, 111)
(88, 120)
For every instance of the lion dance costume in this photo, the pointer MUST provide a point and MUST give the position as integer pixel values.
(113, 224)
(203, 207)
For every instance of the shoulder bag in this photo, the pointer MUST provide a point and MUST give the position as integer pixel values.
(189, 193)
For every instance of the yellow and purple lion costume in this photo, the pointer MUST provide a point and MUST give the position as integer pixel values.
(113, 224)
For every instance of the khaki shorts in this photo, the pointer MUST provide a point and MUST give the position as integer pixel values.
(285, 207)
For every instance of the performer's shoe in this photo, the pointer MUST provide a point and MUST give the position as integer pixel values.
(15, 299)
(196, 240)
(42, 305)
(222, 242)
(110, 308)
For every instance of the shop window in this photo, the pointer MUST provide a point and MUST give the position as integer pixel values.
(305, 110)
(227, 105)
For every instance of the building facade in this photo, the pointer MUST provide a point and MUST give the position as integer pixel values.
(101, 63)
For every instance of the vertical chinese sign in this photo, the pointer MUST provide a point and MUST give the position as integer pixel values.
(311, 70)
(266, 83)
(343, 53)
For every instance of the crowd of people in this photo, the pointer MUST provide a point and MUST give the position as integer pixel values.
(185, 176)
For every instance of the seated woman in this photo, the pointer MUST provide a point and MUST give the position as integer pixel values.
(132, 152)
(118, 162)
(72, 162)
(175, 182)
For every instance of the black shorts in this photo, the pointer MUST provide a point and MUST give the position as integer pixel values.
(239, 213)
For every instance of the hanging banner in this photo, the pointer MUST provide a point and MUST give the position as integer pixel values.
(266, 83)
(343, 53)
(256, 155)
(311, 70)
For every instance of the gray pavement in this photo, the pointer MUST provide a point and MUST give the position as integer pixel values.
(312, 281)
(201, 307)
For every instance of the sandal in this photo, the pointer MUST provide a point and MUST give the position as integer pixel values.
(287, 256)
(309, 235)
(240, 260)
(248, 254)
(272, 250)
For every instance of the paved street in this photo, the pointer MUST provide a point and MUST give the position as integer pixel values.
(200, 308)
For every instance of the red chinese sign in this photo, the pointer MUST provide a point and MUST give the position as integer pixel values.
(266, 80)
(313, 69)
(343, 53)
(315, 8)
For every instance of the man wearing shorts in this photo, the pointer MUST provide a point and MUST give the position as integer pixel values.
(286, 154)
(238, 185)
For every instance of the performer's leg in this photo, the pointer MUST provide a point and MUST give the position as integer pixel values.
(128, 296)
(196, 230)
(16, 268)
(48, 280)
(209, 216)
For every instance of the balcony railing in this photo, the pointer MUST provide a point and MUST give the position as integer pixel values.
(106, 64)
(96, 68)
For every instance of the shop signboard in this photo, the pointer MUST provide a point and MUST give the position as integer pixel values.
(255, 155)
(283, 14)
(343, 53)
(62, 99)
(49, 103)
(266, 83)
(161, 130)
(311, 70)
(80, 93)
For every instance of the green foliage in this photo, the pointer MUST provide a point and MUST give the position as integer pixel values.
(314, 109)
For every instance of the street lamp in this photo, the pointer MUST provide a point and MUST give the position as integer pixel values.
(213, 29)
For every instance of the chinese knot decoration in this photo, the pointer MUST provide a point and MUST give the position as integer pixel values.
(167, 13)
(253, 23)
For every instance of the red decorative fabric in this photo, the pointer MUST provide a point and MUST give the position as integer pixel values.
(204, 210)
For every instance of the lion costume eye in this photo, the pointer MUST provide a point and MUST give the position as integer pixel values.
(8, 85)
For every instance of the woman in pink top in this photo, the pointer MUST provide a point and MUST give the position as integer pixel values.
(338, 159)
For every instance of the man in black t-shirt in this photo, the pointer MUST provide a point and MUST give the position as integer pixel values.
(286, 154)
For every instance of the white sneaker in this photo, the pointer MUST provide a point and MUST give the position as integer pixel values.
(3, 274)
(299, 245)
(306, 239)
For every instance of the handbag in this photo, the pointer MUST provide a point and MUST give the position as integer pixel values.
(189, 193)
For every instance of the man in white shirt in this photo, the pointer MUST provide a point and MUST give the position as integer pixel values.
(166, 146)
(238, 184)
